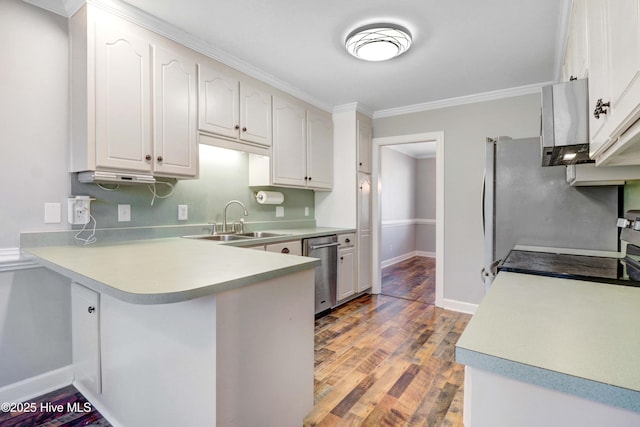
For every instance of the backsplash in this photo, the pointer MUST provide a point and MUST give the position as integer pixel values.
(224, 176)
(632, 195)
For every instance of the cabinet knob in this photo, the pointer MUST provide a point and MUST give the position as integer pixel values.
(360, 163)
(347, 240)
(309, 178)
(236, 127)
(306, 178)
(244, 129)
(341, 258)
(285, 251)
(147, 157)
(601, 108)
(160, 158)
(91, 309)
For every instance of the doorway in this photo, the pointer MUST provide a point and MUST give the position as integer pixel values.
(384, 256)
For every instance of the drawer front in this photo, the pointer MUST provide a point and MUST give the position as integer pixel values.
(346, 240)
(293, 247)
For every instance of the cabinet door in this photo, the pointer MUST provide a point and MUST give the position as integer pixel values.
(255, 115)
(346, 285)
(576, 55)
(85, 336)
(364, 232)
(598, 72)
(219, 95)
(122, 100)
(364, 148)
(289, 143)
(364, 264)
(319, 151)
(175, 137)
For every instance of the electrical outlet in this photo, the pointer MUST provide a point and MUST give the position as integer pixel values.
(78, 210)
(124, 213)
(52, 213)
(183, 212)
(306, 211)
(279, 211)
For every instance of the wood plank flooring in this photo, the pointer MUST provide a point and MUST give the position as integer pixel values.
(412, 279)
(388, 361)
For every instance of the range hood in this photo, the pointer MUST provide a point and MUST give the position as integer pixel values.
(114, 178)
(565, 124)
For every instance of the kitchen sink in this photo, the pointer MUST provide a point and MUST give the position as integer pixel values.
(258, 234)
(218, 237)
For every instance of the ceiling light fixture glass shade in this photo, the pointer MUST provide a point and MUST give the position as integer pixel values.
(378, 42)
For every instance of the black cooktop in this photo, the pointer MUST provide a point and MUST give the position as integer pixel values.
(580, 267)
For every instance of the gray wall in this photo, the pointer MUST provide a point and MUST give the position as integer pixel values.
(34, 304)
(408, 195)
(465, 130)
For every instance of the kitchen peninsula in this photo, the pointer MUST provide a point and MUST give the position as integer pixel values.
(189, 332)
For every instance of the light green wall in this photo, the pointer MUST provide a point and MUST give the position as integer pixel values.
(224, 176)
(632, 195)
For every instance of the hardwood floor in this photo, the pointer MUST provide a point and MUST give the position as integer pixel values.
(412, 279)
(388, 361)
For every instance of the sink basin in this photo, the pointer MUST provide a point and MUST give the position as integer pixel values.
(218, 237)
(258, 234)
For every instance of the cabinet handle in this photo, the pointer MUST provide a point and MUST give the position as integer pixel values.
(236, 127)
(285, 251)
(147, 157)
(601, 108)
(91, 309)
(244, 129)
(572, 78)
(347, 240)
(160, 158)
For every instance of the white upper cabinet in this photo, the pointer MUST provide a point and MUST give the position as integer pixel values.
(319, 150)
(613, 30)
(175, 137)
(302, 151)
(115, 68)
(289, 151)
(575, 64)
(232, 108)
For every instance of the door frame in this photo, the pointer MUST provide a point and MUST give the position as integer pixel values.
(376, 211)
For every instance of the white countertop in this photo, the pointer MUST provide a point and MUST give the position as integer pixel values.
(532, 327)
(166, 270)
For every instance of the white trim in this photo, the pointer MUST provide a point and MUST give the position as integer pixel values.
(562, 38)
(54, 6)
(38, 385)
(462, 100)
(462, 307)
(404, 257)
(376, 211)
(352, 107)
(411, 221)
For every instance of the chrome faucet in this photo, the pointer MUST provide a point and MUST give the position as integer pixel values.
(224, 218)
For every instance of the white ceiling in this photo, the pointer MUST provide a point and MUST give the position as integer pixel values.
(460, 48)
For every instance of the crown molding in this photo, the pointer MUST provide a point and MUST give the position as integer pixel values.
(462, 100)
(55, 6)
(562, 38)
(352, 107)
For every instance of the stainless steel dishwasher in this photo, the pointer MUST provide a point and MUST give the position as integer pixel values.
(325, 248)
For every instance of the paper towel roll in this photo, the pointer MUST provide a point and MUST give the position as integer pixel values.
(269, 197)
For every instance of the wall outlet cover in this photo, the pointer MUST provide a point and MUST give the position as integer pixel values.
(183, 212)
(306, 211)
(279, 211)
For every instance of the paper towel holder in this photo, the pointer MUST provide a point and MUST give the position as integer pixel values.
(269, 197)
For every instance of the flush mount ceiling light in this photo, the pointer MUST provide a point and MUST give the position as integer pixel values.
(378, 42)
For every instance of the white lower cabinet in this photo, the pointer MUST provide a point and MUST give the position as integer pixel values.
(346, 283)
(85, 333)
(293, 247)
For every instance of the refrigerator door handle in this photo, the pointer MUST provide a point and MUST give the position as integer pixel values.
(484, 194)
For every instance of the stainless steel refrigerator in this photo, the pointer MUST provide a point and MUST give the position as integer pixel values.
(527, 204)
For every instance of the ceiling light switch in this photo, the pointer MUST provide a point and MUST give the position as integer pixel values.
(52, 213)
(124, 213)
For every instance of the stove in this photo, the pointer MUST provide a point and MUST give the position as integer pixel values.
(620, 271)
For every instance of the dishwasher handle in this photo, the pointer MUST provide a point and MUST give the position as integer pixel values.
(328, 245)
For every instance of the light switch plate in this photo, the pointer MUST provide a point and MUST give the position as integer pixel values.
(52, 213)
(306, 211)
(124, 213)
(279, 211)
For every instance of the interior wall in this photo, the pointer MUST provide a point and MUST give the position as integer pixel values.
(398, 198)
(466, 128)
(425, 196)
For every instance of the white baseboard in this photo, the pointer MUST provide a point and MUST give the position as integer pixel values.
(36, 386)
(97, 404)
(462, 307)
(404, 257)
